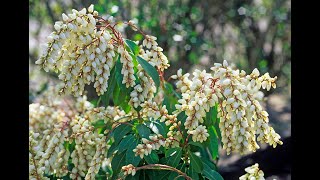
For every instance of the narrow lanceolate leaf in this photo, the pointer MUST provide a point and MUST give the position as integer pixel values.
(133, 46)
(152, 158)
(175, 157)
(112, 149)
(143, 130)
(125, 143)
(118, 161)
(210, 173)
(191, 173)
(213, 144)
(196, 144)
(196, 163)
(120, 131)
(211, 117)
(130, 155)
(152, 71)
(111, 85)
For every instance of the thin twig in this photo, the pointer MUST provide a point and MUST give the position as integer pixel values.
(164, 167)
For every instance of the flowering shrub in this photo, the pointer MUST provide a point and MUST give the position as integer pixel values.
(147, 128)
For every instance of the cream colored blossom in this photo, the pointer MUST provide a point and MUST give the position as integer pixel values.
(243, 121)
(253, 173)
(199, 134)
(129, 169)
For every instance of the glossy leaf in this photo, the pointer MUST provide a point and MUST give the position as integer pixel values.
(125, 143)
(192, 173)
(152, 158)
(151, 71)
(111, 85)
(118, 161)
(196, 163)
(130, 155)
(174, 157)
(143, 130)
(120, 131)
(212, 143)
(210, 173)
(133, 46)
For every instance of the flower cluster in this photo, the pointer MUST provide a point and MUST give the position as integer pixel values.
(127, 67)
(174, 135)
(241, 114)
(129, 169)
(148, 145)
(53, 124)
(97, 159)
(144, 91)
(253, 172)
(52, 151)
(108, 114)
(82, 53)
(200, 134)
(83, 48)
(237, 95)
(198, 95)
(34, 172)
(155, 55)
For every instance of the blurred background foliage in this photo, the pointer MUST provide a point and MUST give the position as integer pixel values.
(194, 34)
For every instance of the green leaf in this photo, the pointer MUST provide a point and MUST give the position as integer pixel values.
(138, 37)
(98, 124)
(116, 94)
(71, 146)
(170, 90)
(196, 144)
(170, 151)
(117, 162)
(125, 104)
(120, 131)
(194, 175)
(174, 175)
(212, 143)
(152, 72)
(113, 147)
(152, 174)
(157, 127)
(143, 175)
(125, 143)
(209, 163)
(210, 173)
(196, 163)
(133, 46)
(130, 155)
(143, 130)
(211, 117)
(182, 117)
(121, 94)
(174, 157)
(170, 97)
(217, 129)
(152, 158)
(111, 85)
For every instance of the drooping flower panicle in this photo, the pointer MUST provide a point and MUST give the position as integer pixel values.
(237, 95)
